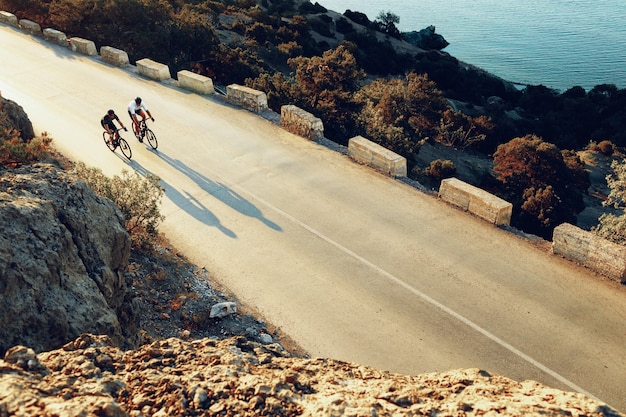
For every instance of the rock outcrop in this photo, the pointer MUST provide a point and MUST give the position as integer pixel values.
(16, 118)
(63, 251)
(236, 377)
(426, 39)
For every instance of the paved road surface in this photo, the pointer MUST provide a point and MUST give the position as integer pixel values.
(351, 264)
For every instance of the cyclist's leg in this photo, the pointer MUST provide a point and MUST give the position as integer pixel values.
(110, 129)
(143, 115)
(133, 119)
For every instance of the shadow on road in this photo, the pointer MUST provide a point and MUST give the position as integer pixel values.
(185, 201)
(216, 189)
(222, 192)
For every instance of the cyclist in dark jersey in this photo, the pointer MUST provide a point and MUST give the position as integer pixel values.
(109, 126)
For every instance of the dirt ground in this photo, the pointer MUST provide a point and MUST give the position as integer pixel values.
(174, 299)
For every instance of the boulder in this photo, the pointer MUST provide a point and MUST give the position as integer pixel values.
(16, 118)
(63, 253)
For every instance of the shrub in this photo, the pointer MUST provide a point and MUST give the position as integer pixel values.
(343, 26)
(259, 32)
(138, 199)
(440, 169)
(290, 49)
(611, 226)
(545, 182)
(606, 147)
(458, 130)
(400, 114)
(14, 151)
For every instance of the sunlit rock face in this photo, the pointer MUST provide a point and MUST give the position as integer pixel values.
(63, 251)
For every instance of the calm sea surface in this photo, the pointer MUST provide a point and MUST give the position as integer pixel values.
(556, 43)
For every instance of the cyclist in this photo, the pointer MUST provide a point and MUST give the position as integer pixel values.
(108, 124)
(138, 107)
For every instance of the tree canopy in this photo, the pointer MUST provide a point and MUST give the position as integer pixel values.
(544, 184)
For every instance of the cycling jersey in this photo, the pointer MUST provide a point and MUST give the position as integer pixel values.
(106, 120)
(133, 108)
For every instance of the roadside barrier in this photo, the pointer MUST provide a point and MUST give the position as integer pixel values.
(381, 159)
(476, 201)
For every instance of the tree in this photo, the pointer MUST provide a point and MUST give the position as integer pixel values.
(546, 184)
(326, 85)
(400, 114)
(612, 226)
(387, 22)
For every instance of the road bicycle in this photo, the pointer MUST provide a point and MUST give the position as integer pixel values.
(114, 140)
(146, 133)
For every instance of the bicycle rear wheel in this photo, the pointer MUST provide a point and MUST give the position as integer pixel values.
(152, 140)
(128, 153)
(109, 144)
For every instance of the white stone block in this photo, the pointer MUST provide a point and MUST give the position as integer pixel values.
(599, 254)
(378, 157)
(246, 97)
(220, 310)
(83, 46)
(152, 69)
(477, 201)
(8, 18)
(30, 27)
(55, 36)
(114, 56)
(195, 82)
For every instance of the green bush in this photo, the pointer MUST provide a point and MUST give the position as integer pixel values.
(14, 150)
(138, 199)
(613, 226)
(440, 169)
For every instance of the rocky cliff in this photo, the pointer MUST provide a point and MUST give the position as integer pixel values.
(63, 251)
(235, 377)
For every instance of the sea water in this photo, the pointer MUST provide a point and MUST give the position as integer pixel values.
(555, 43)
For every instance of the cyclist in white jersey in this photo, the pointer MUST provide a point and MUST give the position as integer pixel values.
(138, 107)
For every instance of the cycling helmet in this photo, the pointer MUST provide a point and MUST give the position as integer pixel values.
(138, 100)
(111, 112)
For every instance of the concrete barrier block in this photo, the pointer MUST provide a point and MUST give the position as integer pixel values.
(30, 27)
(601, 255)
(8, 18)
(476, 201)
(246, 97)
(571, 242)
(195, 82)
(55, 36)
(114, 56)
(378, 157)
(152, 69)
(83, 46)
(300, 122)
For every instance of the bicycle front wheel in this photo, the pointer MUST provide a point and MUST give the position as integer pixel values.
(128, 153)
(152, 140)
(109, 144)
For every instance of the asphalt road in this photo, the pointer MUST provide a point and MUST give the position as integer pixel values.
(353, 265)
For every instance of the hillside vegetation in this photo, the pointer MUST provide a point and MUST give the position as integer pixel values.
(363, 77)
